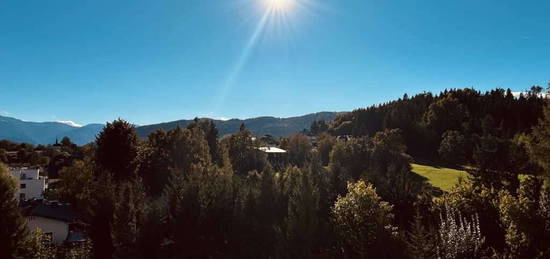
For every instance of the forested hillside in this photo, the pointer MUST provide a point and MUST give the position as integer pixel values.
(462, 115)
(350, 192)
(278, 127)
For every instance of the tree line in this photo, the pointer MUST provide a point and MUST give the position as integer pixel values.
(185, 193)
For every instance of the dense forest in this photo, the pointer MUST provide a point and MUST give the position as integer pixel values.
(344, 190)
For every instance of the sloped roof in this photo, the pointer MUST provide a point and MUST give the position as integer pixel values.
(272, 150)
(76, 237)
(53, 211)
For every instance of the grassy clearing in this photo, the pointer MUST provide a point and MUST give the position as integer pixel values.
(440, 177)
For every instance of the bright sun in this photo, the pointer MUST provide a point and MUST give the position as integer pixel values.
(280, 5)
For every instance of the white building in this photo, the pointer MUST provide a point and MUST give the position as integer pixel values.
(54, 220)
(276, 156)
(272, 150)
(31, 184)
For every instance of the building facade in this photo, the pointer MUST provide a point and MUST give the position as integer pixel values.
(31, 184)
(55, 220)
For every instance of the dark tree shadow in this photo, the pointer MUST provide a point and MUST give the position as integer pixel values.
(425, 185)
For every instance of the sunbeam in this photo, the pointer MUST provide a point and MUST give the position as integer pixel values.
(249, 47)
(275, 18)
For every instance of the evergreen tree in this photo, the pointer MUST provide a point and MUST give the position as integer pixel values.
(117, 149)
(152, 232)
(453, 147)
(445, 114)
(494, 167)
(325, 144)
(128, 219)
(102, 206)
(539, 144)
(199, 204)
(243, 152)
(302, 223)
(267, 212)
(318, 127)
(175, 151)
(13, 234)
(210, 133)
(420, 241)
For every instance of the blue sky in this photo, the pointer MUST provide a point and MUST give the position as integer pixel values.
(153, 61)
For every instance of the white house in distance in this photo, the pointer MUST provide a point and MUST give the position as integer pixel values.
(31, 184)
(276, 156)
(54, 219)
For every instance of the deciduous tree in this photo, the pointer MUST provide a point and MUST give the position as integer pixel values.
(13, 234)
(363, 222)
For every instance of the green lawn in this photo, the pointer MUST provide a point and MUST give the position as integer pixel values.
(443, 178)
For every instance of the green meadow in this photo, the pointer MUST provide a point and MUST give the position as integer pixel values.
(440, 177)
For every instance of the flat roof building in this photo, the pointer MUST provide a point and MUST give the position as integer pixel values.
(31, 184)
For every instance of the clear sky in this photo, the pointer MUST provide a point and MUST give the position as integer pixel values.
(153, 61)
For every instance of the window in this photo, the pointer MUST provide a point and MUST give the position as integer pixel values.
(23, 186)
(22, 196)
(48, 237)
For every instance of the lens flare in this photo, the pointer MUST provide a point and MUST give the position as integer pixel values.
(278, 19)
(280, 5)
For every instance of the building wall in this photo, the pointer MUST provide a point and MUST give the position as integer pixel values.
(26, 173)
(33, 188)
(59, 229)
(34, 184)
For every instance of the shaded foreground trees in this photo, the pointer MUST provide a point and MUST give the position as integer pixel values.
(364, 223)
(12, 225)
(539, 142)
(15, 239)
(184, 194)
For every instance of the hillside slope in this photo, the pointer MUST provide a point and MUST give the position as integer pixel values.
(47, 132)
(260, 126)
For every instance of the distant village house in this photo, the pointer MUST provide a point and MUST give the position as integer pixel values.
(31, 184)
(57, 221)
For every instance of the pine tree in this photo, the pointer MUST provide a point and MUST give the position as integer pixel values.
(117, 148)
(127, 221)
(539, 143)
(210, 133)
(102, 209)
(302, 219)
(13, 234)
(420, 241)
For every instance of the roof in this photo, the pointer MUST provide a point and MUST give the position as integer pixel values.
(272, 150)
(53, 210)
(74, 236)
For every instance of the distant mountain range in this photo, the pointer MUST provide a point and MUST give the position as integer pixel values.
(260, 126)
(47, 132)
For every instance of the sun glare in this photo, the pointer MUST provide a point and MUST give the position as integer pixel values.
(280, 5)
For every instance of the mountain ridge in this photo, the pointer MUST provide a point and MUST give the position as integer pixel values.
(45, 132)
(275, 126)
(17, 130)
